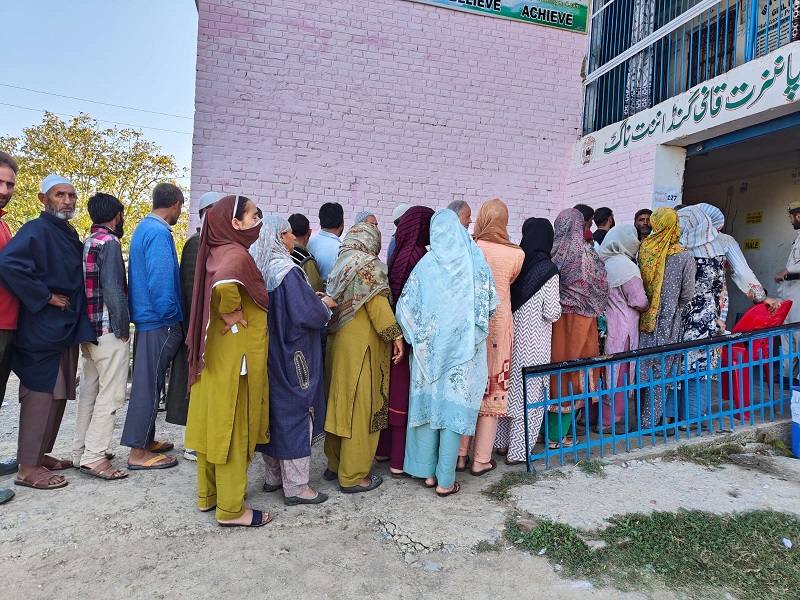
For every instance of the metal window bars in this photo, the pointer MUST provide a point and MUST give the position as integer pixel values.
(708, 385)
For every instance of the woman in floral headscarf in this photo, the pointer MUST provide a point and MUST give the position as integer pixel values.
(294, 365)
(584, 293)
(668, 278)
(362, 337)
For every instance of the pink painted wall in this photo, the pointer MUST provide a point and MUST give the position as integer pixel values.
(624, 183)
(373, 104)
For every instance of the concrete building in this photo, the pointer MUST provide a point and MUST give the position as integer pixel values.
(627, 104)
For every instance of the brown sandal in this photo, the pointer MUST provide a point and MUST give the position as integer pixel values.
(105, 470)
(40, 479)
(51, 463)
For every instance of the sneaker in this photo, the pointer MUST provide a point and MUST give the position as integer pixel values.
(190, 455)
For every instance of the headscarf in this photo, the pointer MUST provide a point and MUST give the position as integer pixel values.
(698, 234)
(413, 234)
(221, 257)
(357, 275)
(584, 289)
(491, 224)
(715, 214)
(537, 269)
(362, 216)
(271, 256)
(618, 253)
(662, 243)
(449, 298)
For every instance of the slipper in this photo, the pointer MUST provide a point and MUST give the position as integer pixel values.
(479, 473)
(511, 463)
(456, 487)
(566, 442)
(151, 464)
(161, 446)
(295, 500)
(401, 475)
(57, 464)
(6, 495)
(256, 521)
(430, 485)
(329, 475)
(375, 481)
(109, 455)
(107, 473)
(39, 478)
(207, 508)
(464, 468)
(269, 488)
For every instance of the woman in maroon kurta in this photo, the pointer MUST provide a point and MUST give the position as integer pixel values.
(413, 235)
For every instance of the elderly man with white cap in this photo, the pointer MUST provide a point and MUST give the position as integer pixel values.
(42, 266)
(177, 397)
(397, 213)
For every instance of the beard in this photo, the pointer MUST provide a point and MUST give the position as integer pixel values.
(64, 215)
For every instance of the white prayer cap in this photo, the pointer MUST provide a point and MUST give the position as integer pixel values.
(399, 211)
(52, 180)
(209, 199)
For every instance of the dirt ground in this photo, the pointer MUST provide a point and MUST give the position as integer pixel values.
(142, 536)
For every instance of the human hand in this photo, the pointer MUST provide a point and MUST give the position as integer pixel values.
(398, 350)
(232, 319)
(772, 304)
(59, 301)
(720, 327)
(780, 275)
(328, 301)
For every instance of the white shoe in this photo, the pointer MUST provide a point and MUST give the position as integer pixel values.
(190, 455)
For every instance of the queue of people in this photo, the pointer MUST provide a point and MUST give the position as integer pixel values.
(276, 338)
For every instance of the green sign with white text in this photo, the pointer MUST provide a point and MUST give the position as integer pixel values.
(571, 16)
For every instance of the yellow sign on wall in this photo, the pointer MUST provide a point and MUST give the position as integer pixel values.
(752, 244)
(754, 218)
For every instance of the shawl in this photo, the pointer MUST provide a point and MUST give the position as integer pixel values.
(715, 214)
(618, 252)
(662, 243)
(583, 285)
(269, 252)
(221, 257)
(446, 306)
(698, 234)
(413, 234)
(357, 275)
(491, 224)
(537, 269)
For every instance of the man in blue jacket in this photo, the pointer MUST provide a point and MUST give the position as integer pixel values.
(154, 296)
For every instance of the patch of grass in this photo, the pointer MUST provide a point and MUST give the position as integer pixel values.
(591, 466)
(500, 490)
(775, 442)
(486, 546)
(707, 456)
(701, 554)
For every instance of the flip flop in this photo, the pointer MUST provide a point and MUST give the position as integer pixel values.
(479, 473)
(566, 442)
(430, 485)
(149, 465)
(456, 487)
(161, 446)
(466, 464)
(35, 478)
(375, 481)
(256, 521)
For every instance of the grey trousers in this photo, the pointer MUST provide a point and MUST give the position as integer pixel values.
(155, 349)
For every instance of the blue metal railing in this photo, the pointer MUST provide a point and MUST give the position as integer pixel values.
(744, 379)
(642, 52)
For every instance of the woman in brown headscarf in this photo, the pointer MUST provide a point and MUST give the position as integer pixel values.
(227, 340)
(505, 261)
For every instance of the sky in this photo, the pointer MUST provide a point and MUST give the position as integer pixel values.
(131, 53)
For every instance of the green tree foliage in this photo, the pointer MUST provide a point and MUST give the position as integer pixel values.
(115, 161)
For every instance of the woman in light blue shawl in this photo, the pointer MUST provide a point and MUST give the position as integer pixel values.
(270, 253)
(444, 312)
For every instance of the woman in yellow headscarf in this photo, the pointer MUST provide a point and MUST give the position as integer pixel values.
(668, 273)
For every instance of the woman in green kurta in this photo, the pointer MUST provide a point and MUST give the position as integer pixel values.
(227, 340)
(362, 337)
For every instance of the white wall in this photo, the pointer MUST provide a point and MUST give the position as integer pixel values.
(767, 186)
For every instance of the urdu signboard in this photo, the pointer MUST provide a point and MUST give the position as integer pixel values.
(570, 16)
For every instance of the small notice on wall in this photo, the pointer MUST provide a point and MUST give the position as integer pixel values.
(663, 196)
(754, 218)
(752, 244)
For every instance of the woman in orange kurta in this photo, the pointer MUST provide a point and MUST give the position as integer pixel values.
(505, 261)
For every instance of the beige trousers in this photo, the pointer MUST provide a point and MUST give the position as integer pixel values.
(102, 391)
